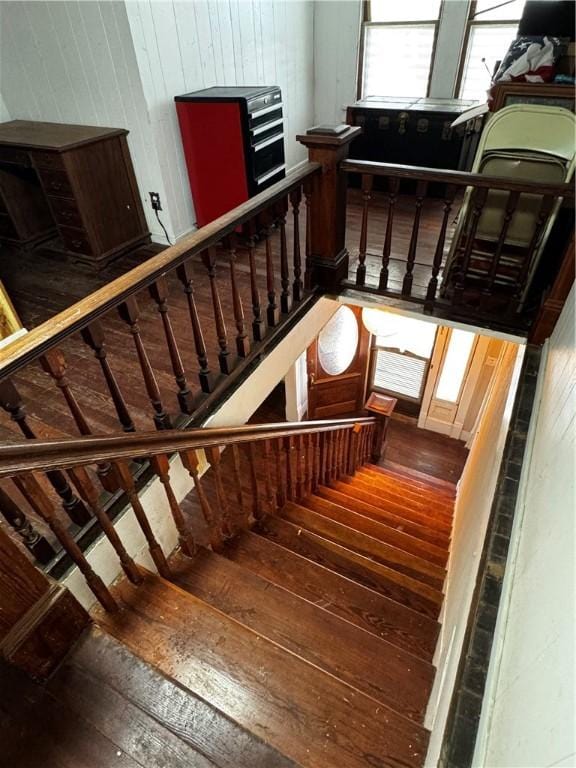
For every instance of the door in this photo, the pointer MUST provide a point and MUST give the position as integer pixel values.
(337, 364)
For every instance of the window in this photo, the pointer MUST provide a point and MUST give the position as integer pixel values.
(338, 341)
(398, 47)
(455, 365)
(400, 353)
(492, 26)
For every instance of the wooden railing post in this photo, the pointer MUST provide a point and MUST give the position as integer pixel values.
(40, 620)
(381, 406)
(327, 260)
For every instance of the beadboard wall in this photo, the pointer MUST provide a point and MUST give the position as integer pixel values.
(120, 64)
(186, 46)
(74, 62)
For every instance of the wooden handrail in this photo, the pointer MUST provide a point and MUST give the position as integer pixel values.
(40, 455)
(76, 317)
(460, 178)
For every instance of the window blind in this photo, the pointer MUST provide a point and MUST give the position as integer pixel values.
(399, 374)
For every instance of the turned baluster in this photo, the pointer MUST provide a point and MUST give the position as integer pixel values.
(224, 357)
(272, 312)
(342, 467)
(184, 273)
(280, 474)
(284, 268)
(54, 363)
(250, 450)
(34, 494)
(161, 467)
(85, 488)
(308, 243)
(242, 515)
(297, 284)
(366, 197)
(127, 484)
(353, 454)
(316, 462)
(242, 341)
(34, 542)
(323, 458)
(159, 293)
(393, 188)
(300, 466)
(11, 402)
(258, 325)
(290, 470)
(546, 206)
(268, 459)
(439, 252)
(214, 458)
(93, 336)
(130, 313)
(330, 458)
(214, 521)
(338, 456)
(477, 203)
(421, 188)
(345, 451)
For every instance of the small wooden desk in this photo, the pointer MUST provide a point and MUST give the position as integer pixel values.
(75, 181)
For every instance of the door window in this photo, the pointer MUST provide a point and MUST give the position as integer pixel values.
(338, 341)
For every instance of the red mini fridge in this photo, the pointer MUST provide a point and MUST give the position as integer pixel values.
(233, 141)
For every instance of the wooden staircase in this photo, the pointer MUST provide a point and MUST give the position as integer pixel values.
(315, 629)
(301, 606)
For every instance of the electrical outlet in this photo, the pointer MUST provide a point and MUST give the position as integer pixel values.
(155, 201)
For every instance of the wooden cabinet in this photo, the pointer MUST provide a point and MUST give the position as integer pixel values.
(74, 181)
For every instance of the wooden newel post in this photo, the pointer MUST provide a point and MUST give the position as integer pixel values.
(40, 619)
(380, 406)
(326, 256)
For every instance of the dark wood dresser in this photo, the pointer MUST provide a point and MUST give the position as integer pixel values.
(72, 181)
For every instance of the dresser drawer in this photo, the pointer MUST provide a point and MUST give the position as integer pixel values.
(49, 160)
(16, 156)
(56, 183)
(66, 212)
(75, 240)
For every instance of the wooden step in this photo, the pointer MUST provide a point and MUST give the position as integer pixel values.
(369, 505)
(149, 716)
(418, 476)
(416, 480)
(392, 557)
(369, 664)
(349, 511)
(389, 582)
(400, 489)
(363, 607)
(389, 491)
(304, 713)
(430, 520)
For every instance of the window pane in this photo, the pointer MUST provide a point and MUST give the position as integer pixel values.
(409, 10)
(455, 365)
(490, 43)
(399, 374)
(337, 342)
(485, 10)
(397, 60)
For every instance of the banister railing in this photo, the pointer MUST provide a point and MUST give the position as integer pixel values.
(487, 262)
(278, 462)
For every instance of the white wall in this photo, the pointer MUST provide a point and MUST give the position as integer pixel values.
(4, 114)
(186, 46)
(529, 709)
(471, 513)
(120, 64)
(336, 38)
(73, 62)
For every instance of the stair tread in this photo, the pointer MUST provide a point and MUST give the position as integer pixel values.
(386, 554)
(306, 714)
(338, 594)
(416, 479)
(392, 494)
(393, 485)
(389, 582)
(151, 717)
(369, 664)
(409, 535)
